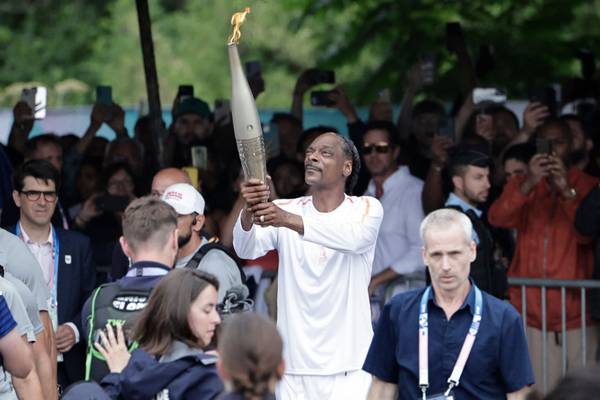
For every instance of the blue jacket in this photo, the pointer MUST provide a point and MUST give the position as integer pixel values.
(76, 280)
(187, 374)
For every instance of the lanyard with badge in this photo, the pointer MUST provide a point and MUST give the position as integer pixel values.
(462, 356)
(55, 259)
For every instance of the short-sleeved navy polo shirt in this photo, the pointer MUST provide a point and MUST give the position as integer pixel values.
(498, 364)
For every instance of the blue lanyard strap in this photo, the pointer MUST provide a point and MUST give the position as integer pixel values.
(464, 351)
(55, 259)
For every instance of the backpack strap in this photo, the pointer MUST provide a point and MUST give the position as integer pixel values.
(213, 244)
(90, 321)
(109, 291)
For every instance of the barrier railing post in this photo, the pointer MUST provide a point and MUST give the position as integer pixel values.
(544, 344)
(524, 306)
(563, 322)
(583, 327)
(563, 284)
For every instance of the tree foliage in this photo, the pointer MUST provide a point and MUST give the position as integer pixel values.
(100, 45)
(533, 42)
(73, 45)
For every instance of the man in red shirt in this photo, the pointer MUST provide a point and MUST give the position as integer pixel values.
(541, 206)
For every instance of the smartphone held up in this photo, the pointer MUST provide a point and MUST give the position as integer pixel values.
(548, 96)
(489, 95)
(543, 146)
(104, 100)
(36, 98)
(322, 98)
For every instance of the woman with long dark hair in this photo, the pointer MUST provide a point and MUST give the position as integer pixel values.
(172, 331)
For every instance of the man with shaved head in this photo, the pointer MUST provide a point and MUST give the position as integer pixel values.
(326, 242)
(167, 177)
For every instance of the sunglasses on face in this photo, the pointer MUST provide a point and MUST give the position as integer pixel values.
(34, 195)
(381, 148)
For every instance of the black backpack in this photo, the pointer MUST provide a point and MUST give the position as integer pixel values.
(488, 275)
(114, 305)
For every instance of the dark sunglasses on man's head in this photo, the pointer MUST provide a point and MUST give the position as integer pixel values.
(381, 148)
(34, 195)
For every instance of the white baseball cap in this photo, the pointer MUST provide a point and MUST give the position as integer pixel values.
(184, 198)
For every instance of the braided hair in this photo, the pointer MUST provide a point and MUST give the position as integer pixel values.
(351, 153)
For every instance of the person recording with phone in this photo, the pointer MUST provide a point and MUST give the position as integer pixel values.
(31, 107)
(488, 129)
(338, 99)
(192, 126)
(99, 217)
(308, 79)
(542, 105)
(104, 111)
(541, 206)
(48, 147)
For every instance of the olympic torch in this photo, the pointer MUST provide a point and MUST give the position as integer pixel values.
(246, 123)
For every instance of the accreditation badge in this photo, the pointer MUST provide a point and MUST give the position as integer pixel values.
(53, 311)
(442, 396)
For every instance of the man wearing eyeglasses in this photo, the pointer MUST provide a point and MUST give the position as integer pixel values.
(398, 249)
(64, 256)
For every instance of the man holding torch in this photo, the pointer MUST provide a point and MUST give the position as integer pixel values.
(326, 242)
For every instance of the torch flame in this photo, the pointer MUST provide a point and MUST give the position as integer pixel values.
(237, 20)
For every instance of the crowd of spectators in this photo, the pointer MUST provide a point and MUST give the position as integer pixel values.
(530, 190)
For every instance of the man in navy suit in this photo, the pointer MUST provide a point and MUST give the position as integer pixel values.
(64, 256)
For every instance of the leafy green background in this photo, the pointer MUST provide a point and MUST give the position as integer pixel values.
(73, 45)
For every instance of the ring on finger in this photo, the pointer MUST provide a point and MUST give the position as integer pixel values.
(262, 219)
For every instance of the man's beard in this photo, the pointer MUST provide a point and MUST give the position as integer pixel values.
(183, 240)
(476, 197)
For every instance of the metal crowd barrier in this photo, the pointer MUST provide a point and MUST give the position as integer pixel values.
(563, 285)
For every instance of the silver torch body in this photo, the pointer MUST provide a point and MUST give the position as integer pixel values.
(246, 123)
